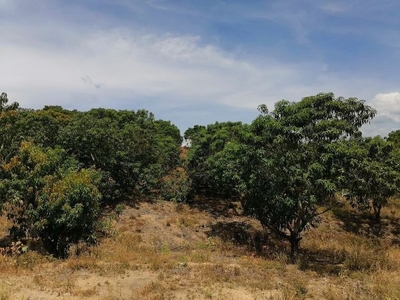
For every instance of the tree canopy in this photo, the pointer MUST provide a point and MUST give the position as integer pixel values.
(372, 173)
(283, 166)
(48, 196)
(58, 168)
(207, 161)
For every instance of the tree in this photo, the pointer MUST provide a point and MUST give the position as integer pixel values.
(394, 138)
(43, 126)
(68, 210)
(132, 149)
(371, 173)
(210, 166)
(289, 162)
(4, 107)
(48, 196)
(9, 139)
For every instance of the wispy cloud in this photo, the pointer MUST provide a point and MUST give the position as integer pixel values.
(84, 56)
(125, 60)
(335, 7)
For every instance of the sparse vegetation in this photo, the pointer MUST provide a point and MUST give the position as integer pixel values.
(205, 259)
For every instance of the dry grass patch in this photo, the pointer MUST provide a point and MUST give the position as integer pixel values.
(163, 250)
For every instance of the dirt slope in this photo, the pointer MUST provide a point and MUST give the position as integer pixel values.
(208, 250)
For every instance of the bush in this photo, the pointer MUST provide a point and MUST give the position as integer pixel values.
(48, 196)
(176, 186)
(68, 211)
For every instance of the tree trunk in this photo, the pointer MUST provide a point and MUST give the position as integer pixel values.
(49, 245)
(294, 247)
(377, 212)
(62, 246)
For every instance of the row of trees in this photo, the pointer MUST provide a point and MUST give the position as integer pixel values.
(288, 165)
(58, 168)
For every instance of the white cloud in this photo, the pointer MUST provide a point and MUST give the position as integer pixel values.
(388, 114)
(388, 105)
(64, 62)
(85, 69)
(96, 61)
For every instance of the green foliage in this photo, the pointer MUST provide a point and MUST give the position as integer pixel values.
(394, 138)
(68, 209)
(43, 126)
(371, 173)
(56, 165)
(285, 166)
(288, 170)
(132, 150)
(211, 166)
(119, 208)
(4, 107)
(9, 141)
(49, 197)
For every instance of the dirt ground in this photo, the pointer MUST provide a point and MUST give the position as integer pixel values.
(163, 228)
(206, 250)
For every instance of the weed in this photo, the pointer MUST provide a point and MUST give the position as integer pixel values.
(367, 258)
(118, 210)
(287, 293)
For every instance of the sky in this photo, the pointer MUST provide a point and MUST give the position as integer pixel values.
(195, 62)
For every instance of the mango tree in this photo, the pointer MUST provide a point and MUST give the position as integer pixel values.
(212, 168)
(289, 167)
(371, 173)
(9, 140)
(48, 196)
(131, 149)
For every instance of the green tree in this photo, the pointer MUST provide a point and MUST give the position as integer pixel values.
(68, 210)
(394, 138)
(289, 161)
(132, 149)
(43, 126)
(9, 139)
(210, 167)
(371, 173)
(48, 196)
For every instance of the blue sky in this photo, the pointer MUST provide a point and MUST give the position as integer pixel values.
(201, 61)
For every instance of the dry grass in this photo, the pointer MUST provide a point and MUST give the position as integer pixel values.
(162, 250)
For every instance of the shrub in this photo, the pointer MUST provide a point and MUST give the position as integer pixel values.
(49, 197)
(176, 186)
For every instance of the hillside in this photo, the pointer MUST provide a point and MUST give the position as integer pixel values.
(208, 250)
